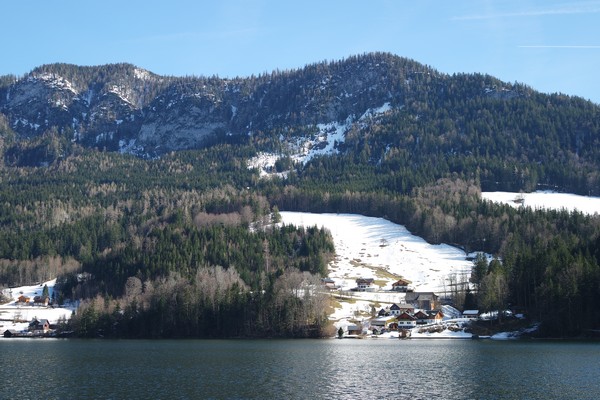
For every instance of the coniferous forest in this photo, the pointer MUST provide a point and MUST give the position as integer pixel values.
(184, 245)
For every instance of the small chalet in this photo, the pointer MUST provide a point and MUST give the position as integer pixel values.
(364, 284)
(11, 333)
(406, 321)
(401, 285)
(41, 301)
(471, 314)
(328, 283)
(435, 317)
(380, 323)
(23, 299)
(353, 329)
(39, 326)
(397, 309)
(423, 300)
(421, 317)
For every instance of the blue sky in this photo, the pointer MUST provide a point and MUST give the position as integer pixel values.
(553, 46)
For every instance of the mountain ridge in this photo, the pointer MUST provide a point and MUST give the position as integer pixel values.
(102, 105)
(467, 120)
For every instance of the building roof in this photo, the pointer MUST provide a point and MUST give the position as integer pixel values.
(385, 318)
(402, 306)
(402, 282)
(421, 296)
(406, 317)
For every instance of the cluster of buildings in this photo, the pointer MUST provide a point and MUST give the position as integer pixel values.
(420, 308)
(40, 301)
(36, 328)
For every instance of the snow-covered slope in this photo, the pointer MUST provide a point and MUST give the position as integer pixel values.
(547, 200)
(376, 248)
(368, 247)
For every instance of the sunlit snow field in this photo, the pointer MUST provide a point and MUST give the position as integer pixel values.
(547, 200)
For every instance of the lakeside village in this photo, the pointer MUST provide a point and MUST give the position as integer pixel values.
(420, 315)
(32, 313)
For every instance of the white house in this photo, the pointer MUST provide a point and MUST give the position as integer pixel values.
(397, 309)
(471, 314)
(364, 284)
(406, 321)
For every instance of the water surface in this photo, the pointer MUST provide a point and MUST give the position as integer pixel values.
(298, 369)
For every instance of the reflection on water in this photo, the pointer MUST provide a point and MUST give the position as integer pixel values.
(299, 369)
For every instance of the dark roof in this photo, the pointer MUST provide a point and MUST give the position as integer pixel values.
(38, 322)
(433, 313)
(419, 296)
(401, 306)
(405, 316)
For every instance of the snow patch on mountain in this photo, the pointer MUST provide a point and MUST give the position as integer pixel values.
(326, 141)
(54, 81)
(123, 93)
(374, 112)
(25, 122)
(142, 74)
(264, 162)
(131, 147)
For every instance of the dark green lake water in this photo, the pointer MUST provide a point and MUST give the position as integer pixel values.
(298, 369)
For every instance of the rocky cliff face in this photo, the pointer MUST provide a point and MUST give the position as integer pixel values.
(125, 108)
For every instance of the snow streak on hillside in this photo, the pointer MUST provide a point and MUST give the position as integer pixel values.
(325, 142)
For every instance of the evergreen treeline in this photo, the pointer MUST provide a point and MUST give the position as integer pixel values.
(202, 246)
(219, 282)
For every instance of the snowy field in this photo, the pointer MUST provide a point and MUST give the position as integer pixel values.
(11, 312)
(546, 200)
(368, 247)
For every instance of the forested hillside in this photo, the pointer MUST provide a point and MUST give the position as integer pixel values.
(183, 245)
